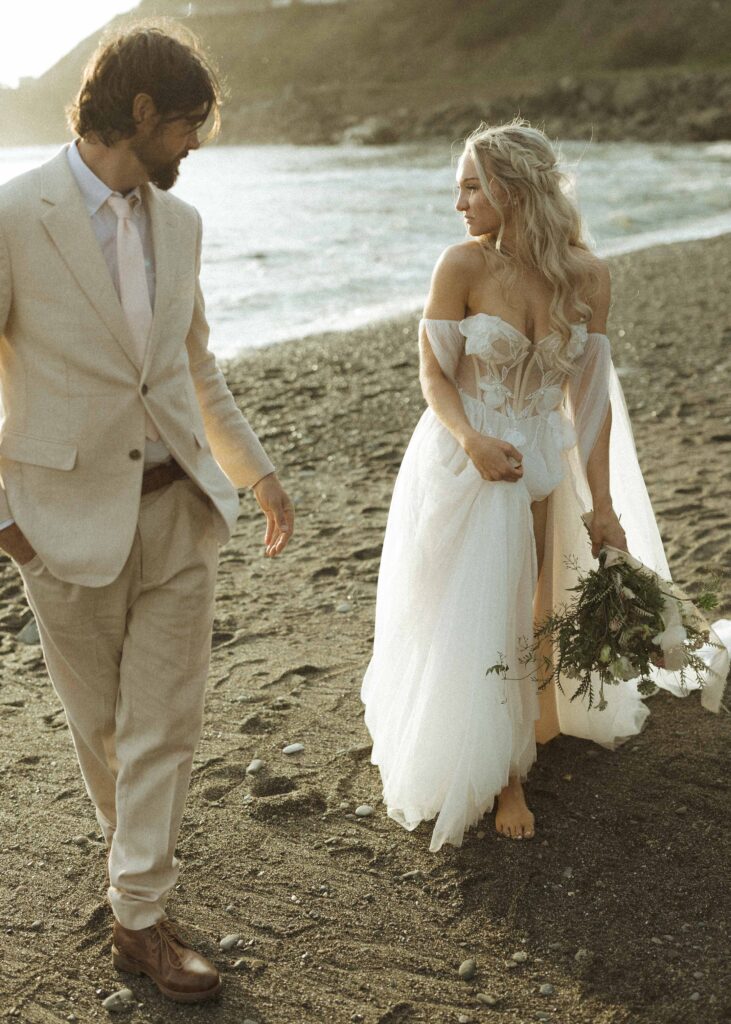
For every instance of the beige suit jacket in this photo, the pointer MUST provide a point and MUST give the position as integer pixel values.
(73, 395)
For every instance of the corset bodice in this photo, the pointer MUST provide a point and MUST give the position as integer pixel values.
(512, 374)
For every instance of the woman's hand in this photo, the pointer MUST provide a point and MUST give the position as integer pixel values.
(494, 459)
(605, 528)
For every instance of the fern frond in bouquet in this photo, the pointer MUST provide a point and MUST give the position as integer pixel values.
(624, 621)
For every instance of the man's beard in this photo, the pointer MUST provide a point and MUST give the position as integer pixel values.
(162, 175)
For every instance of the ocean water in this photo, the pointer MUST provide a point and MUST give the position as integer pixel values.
(299, 240)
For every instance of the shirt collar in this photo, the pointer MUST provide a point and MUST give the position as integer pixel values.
(93, 190)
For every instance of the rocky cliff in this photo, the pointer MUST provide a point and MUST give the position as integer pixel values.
(384, 70)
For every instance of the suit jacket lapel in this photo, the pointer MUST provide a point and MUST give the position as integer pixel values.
(68, 223)
(164, 222)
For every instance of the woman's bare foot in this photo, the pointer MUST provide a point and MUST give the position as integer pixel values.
(513, 819)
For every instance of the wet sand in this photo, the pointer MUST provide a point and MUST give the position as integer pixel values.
(621, 903)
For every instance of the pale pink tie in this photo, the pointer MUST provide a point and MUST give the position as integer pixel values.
(133, 291)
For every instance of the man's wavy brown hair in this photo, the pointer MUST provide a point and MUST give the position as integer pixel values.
(163, 61)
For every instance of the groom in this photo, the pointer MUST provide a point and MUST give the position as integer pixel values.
(120, 452)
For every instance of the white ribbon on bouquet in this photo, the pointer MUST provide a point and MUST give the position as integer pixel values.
(677, 608)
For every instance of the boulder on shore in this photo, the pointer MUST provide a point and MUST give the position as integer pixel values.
(374, 131)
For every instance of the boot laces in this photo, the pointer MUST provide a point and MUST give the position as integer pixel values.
(169, 937)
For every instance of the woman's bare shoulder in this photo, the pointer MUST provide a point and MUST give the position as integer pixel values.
(464, 256)
(454, 274)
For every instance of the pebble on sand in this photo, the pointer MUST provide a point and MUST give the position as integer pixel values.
(467, 970)
(119, 1000)
(254, 766)
(293, 748)
(228, 942)
(364, 811)
(486, 999)
(546, 990)
(520, 957)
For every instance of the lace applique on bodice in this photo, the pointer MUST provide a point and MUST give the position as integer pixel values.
(513, 375)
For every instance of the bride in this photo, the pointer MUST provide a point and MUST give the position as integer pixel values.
(526, 429)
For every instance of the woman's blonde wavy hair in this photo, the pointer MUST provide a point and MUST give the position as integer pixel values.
(545, 216)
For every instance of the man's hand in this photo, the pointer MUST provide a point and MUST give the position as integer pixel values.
(279, 512)
(13, 543)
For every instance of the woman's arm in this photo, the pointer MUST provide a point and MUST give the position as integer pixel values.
(605, 527)
(448, 300)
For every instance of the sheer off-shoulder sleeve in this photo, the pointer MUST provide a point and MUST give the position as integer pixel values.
(591, 391)
(588, 392)
(446, 341)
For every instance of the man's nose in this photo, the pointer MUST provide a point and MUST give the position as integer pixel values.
(194, 142)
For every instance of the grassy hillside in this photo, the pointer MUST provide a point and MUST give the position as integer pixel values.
(308, 72)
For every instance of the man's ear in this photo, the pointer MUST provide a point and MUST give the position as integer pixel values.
(144, 110)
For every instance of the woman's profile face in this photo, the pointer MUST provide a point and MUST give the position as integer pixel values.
(480, 217)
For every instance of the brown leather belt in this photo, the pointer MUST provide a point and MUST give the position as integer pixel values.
(161, 476)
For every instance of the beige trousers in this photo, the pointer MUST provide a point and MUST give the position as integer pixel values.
(129, 662)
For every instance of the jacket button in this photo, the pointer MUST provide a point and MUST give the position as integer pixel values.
(135, 454)
(144, 389)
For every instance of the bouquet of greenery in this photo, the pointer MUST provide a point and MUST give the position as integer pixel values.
(623, 621)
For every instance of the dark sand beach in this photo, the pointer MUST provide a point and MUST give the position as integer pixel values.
(621, 903)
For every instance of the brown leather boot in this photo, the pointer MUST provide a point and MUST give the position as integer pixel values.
(163, 955)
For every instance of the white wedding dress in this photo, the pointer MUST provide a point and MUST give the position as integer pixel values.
(458, 585)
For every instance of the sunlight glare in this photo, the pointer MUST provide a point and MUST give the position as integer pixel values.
(37, 33)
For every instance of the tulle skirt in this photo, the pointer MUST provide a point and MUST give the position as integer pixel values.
(455, 596)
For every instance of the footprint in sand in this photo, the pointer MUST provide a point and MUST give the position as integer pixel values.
(227, 778)
(327, 572)
(296, 804)
(257, 724)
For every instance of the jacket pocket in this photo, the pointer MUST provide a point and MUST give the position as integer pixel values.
(37, 451)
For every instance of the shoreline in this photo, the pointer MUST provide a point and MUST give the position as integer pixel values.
(350, 919)
(413, 314)
(710, 231)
